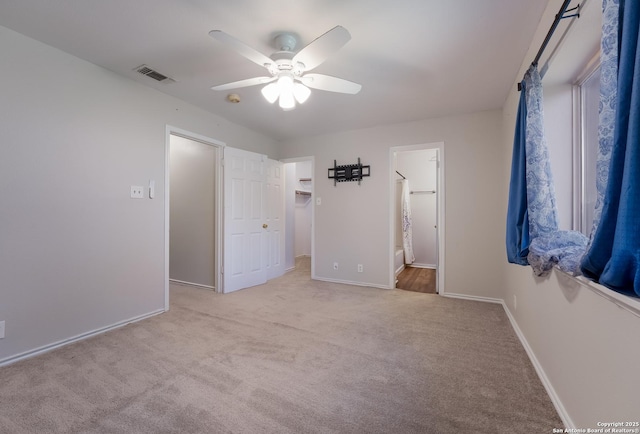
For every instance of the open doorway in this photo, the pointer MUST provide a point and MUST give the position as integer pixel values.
(417, 187)
(192, 207)
(299, 214)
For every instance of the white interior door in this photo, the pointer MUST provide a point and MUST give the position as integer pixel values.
(275, 219)
(246, 245)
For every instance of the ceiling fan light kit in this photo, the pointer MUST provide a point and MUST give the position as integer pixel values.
(289, 81)
(286, 90)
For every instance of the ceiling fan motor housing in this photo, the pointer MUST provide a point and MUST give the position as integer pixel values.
(283, 62)
(285, 42)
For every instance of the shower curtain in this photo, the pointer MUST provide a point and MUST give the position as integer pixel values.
(407, 234)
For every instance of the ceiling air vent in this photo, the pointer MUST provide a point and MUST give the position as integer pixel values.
(145, 70)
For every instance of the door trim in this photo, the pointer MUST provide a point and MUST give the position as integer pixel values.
(169, 131)
(440, 220)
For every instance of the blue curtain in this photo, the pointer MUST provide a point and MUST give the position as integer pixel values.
(517, 215)
(608, 101)
(541, 194)
(532, 204)
(614, 257)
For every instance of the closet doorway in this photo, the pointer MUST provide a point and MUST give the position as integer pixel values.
(192, 207)
(417, 186)
(299, 214)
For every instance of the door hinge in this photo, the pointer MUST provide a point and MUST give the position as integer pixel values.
(222, 269)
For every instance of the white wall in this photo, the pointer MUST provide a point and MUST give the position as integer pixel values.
(193, 191)
(420, 169)
(585, 345)
(76, 253)
(353, 224)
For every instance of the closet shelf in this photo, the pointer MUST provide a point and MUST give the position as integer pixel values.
(303, 193)
(305, 179)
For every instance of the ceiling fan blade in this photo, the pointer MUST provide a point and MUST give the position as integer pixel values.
(322, 47)
(332, 84)
(244, 83)
(242, 48)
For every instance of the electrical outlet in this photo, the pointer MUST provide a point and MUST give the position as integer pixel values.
(515, 302)
(335, 265)
(1, 329)
(360, 268)
(137, 192)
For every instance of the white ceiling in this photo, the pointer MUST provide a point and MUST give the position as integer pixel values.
(415, 59)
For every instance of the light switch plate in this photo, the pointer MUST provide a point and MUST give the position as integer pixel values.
(1, 329)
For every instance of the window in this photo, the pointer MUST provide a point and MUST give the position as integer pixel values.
(587, 101)
(586, 110)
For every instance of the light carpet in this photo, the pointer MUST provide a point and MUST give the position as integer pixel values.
(290, 356)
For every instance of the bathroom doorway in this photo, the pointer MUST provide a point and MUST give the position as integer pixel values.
(417, 217)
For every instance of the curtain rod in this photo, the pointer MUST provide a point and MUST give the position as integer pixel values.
(400, 174)
(559, 16)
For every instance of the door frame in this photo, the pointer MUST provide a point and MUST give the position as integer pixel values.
(217, 201)
(440, 221)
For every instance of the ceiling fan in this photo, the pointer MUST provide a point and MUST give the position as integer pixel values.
(289, 80)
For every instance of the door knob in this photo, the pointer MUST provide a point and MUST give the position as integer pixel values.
(264, 226)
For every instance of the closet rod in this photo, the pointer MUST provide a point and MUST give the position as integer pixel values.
(422, 191)
(561, 15)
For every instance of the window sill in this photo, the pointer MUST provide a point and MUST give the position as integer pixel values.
(625, 302)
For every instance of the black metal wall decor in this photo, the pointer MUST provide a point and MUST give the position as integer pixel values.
(348, 172)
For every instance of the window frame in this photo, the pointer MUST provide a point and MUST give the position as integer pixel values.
(579, 156)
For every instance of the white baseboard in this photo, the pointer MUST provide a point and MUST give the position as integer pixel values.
(197, 285)
(472, 297)
(400, 269)
(46, 348)
(351, 282)
(555, 399)
(416, 265)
